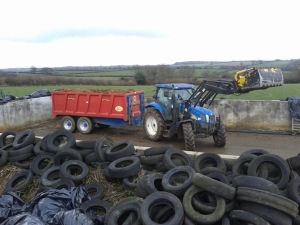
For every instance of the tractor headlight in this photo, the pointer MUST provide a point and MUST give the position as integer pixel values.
(207, 118)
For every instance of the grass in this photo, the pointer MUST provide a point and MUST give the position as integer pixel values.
(276, 93)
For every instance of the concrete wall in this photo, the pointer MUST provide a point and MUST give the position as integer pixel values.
(236, 114)
(253, 114)
(25, 112)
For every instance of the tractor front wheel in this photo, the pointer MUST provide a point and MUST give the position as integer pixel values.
(153, 124)
(219, 135)
(189, 138)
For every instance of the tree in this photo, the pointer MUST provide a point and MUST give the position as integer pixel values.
(33, 69)
(296, 71)
(46, 71)
(186, 72)
(140, 78)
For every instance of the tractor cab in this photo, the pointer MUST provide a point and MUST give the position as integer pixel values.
(165, 94)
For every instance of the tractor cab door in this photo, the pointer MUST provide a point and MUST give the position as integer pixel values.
(164, 98)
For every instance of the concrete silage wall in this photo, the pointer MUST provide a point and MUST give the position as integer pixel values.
(25, 112)
(236, 114)
(253, 114)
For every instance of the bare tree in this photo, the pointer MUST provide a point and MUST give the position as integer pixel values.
(46, 71)
(186, 72)
(33, 69)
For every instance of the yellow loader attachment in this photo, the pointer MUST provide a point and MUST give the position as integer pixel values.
(256, 78)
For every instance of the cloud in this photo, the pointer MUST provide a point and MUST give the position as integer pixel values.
(69, 33)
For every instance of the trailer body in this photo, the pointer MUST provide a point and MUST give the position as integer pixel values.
(111, 109)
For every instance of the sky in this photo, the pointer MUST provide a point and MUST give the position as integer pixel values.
(54, 33)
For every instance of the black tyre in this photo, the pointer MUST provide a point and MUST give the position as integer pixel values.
(256, 152)
(267, 199)
(24, 164)
(273, 159)
(240, 215)
(119, 150)
(95, 191)
(66, 154)
(293, 190)
(189, 137)
(270, 214)
(23, 139)
(151, 160)
(50, 176)
(85, 144)
(85, 125)
(41, 163)
(153, 183)
(123, 209)
(63, 183)
(140, 188)
(20, 157)
(153, 124)
(209, 160)
(100, 147)
(254, 182)
(219, 177)
(85, 152)
(92, 205)
(157, 150)
(74, 170)
(160, 166)
(239, 166)
(11, 184)
(214, 186)
(219, 134)
(202, 218)
(130, 183)
(172, 182)
(69, 123)
(89, 159)
(21, 151)
(172, 154)
(37, 150)
(124, 167)
(3, 157)
(162, 198)
(7, 148)
(4, 140)
(60, 140)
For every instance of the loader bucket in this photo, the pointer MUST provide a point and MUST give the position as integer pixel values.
(256, 78)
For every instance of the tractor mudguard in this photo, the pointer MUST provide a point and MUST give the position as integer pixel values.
(157, 107)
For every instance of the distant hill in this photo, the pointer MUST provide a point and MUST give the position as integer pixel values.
(195, 64)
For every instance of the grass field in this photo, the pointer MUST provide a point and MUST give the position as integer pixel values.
(277, 93)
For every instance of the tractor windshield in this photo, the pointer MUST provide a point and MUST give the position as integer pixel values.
(183, 94)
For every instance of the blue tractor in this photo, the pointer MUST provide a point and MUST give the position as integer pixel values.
(182, 110)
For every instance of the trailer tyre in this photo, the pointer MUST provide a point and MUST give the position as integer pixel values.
(69, 123)
(153, 124)
(85, 125)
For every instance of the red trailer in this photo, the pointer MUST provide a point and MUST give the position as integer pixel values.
(83, 110)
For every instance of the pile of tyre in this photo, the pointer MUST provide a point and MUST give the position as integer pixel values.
(170, 187)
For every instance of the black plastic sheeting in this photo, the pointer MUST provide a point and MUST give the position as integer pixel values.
(59, 207)
(294, 106)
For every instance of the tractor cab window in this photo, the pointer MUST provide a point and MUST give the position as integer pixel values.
(164, 96)
(183, 94)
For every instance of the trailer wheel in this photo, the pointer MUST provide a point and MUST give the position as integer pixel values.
(219, 135)
(69, 123)
(189, 138)
(154, 124)
(85, 125)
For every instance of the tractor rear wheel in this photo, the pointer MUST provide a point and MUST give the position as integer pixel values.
(153, 124)
(219, 135)
(189, 138)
